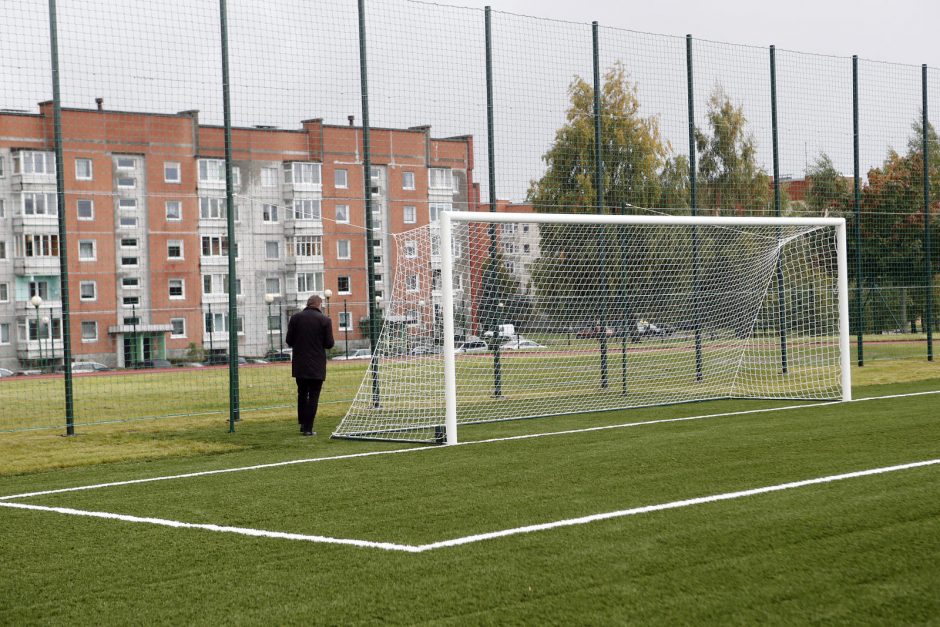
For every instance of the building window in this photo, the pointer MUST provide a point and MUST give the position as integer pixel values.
(408, 180)
(126, 182)
(302, 173)
(310, 282)
(174, 249)
(128, 242)
(171, 172)
(4, 292)
(29, 162)
(272, 250)
(130, 301)
(342, 214)
(412, 283)
(441, 178)
(1, 166)
(87, 290)
(39, 288)
(89, 331)
(130, 283)
(269, 213)
(86, 250)
(127, 204)
(174, 210)
(411, 249)
(37, 246)
(129, 262)
(272, 285)
(435, 209)
(3, 250)
(340, 179)
(86, 209)
(3, 212)
(343, 285)
(4, 332)
(212, 208)
(127, 222)
(306, 246)
(177, 289)
(126, 163)
(342, 249)
(38, 204)
(526, 248)
(411, 214)
(216, 246)
(178, 327)
(345, 321)
(83, 171)
(268, 177)
(211, 171)
(509, 248)
(307, 209)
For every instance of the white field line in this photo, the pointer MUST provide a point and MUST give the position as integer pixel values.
(422, 548)
(417, 449)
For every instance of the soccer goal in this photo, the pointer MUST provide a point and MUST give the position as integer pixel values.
(504, 316)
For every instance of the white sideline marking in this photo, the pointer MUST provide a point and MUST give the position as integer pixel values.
(422, 548)
(415, 449)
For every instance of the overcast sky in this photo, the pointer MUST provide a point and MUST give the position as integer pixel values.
(902, 31)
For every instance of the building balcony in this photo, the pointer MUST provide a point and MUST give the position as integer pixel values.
(38, 225)
(33, 182)
(45, 349)
(36, 266)
(303, 227)
(25, 309)
(214, 261)
(309, 264)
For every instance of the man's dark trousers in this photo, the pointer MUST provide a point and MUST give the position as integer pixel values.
(308, 397)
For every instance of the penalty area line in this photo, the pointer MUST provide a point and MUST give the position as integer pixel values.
(418, 449)
(481, 537)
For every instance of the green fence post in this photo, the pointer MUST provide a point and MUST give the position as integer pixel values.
(859, 276)
(599, 198)
(63, 242)
(781, 295)
(233, 414)
(928, 313)
(693, 204)
(491, 152)
(367, 190)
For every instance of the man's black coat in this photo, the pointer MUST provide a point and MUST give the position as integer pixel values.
(310, 334)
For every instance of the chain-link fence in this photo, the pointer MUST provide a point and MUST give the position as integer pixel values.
(159, 219)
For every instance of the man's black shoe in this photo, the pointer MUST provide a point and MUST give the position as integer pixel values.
(310, 432)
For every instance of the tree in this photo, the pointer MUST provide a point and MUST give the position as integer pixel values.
(829, 191)
(729, 179)
(639, 170)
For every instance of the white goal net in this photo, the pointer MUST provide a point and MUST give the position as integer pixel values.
(542, 314)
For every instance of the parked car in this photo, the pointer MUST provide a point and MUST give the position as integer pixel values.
(6, 373)
(279, 355)
(645, 328)
(27, 373)
(426, 349)
(361, 353)
(522, 344)
(587, 333)
(472, 346)
(79, 367)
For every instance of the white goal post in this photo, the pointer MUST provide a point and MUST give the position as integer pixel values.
(504, 316)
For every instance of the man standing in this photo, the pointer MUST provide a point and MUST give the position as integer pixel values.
(310, 334)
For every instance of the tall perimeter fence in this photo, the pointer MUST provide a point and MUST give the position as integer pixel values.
(175, 181)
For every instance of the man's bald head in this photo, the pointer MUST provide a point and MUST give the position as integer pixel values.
(314, 301)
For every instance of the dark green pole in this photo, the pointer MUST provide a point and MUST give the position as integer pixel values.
(781, 297)
(599, 201)
(859, 277)
(233, 414)
(627, 327)
(63, 243)
(928, 314)
(367, 188)
(693, 204)
(491, 156)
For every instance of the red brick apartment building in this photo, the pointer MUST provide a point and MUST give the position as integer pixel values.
(146, 228)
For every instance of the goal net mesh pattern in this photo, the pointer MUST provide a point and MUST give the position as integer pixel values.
(556, 319)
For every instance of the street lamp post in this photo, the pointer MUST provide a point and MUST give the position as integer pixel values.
(36, 301)
(269, 298)
(280, 327)
(346, 325)
(50, 351)
(328, 293)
